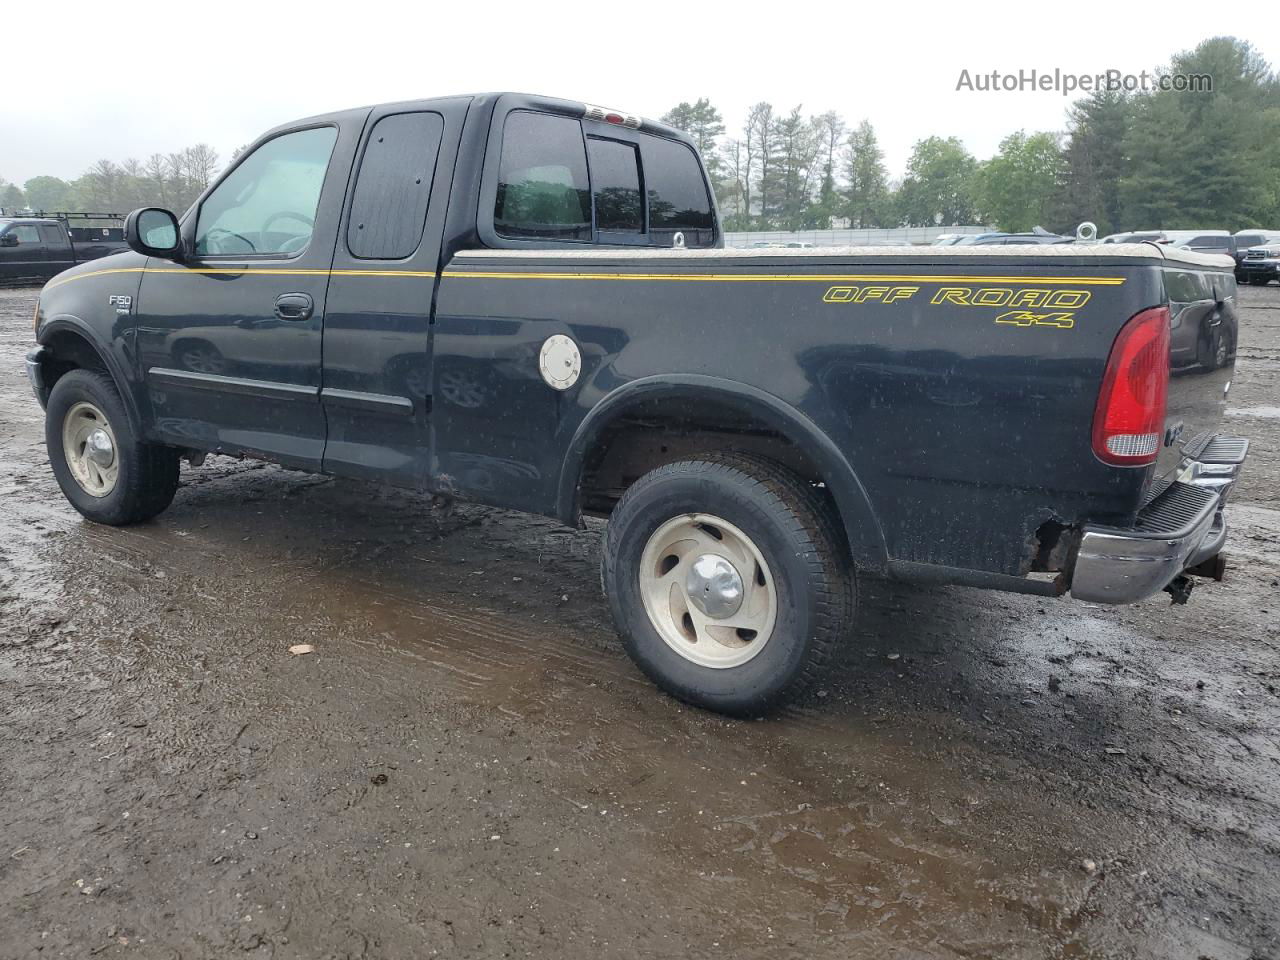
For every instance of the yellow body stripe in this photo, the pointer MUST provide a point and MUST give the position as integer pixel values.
(782, 277)
(683, 277)
(238, 271)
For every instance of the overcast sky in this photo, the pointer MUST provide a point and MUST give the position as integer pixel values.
(114, 78)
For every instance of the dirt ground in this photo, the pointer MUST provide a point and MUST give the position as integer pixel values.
(468, 766)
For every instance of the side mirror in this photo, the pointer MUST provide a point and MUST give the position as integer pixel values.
(9, 240)
(153, 232)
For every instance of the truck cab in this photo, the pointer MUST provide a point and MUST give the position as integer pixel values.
(38, 247)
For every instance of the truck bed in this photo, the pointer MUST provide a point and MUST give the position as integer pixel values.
(956, 383)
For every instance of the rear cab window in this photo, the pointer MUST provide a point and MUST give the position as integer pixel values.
(556, 182)
(677, 193)
(543, 190)
(393, 186)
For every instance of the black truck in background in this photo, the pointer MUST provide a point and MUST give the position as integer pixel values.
(526, 302)
(35, 247)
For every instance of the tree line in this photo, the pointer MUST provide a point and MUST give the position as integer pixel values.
(172, 180)
(1164, 159)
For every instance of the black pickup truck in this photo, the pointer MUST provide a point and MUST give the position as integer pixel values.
(40, 246)
(525, 302)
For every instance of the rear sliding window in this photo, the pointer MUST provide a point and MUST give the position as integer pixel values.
(642, 192)
(389, 205)
(615, 182)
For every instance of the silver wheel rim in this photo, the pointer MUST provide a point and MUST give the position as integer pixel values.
(708, 590)
(89, 446)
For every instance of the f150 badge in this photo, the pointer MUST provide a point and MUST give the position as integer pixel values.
(121, 302)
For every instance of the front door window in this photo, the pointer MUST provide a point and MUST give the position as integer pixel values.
(267, 205)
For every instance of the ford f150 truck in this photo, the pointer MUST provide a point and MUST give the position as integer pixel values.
(40, 246)
(525, 302)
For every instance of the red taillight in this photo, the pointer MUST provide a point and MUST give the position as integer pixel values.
(614, 118)
(1128, 422)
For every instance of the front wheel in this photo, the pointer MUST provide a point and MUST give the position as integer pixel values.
(728, 579)
(105, 471)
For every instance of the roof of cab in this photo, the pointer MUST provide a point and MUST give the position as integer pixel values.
(526, 100)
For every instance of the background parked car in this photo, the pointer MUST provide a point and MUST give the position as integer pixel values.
(1261, 264)
(1034, 236)
(1137, 236)
(1202, 241)
(1244, 240)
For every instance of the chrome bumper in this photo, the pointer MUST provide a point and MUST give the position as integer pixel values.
(35, 374)
(1183, 527)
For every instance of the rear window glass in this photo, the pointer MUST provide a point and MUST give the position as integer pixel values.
(389, 206)
(678, 198)
(615, 181)
(543, 189)
(1183, 286)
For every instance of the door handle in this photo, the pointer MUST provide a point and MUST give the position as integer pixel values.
(294, 306)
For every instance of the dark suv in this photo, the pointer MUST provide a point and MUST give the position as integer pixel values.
(1246, 239)
(1260, 263)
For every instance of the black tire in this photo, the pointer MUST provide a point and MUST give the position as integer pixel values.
(147, 472)
(1213, 350)
(798, 535)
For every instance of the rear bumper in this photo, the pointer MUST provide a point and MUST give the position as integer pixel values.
(35, 374)
(1181, 528)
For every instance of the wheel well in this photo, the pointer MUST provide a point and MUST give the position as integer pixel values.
(70, 351)
(661, 431)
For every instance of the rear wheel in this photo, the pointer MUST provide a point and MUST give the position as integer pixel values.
(104, 470)
(728, 580)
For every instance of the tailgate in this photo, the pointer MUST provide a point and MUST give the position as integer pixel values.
(1204, 329)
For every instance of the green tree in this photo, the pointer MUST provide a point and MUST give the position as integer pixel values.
(1016, 187)
(866, 192)
(939, 185)
(1094, 163)
(829, 131)
(705, 125)
(1207, 159)
(48, 193)
(760, 139)
(11, 197)
(797, 149)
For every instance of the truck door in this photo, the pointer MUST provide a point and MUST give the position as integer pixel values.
(377, 330)
(22, 252)
(229, 341)
(57, 247)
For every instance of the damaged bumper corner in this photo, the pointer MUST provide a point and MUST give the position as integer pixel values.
(35, 373)
(1181, 528)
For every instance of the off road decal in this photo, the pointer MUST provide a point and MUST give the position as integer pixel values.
(1038, 306)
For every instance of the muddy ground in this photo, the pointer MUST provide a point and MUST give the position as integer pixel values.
(468, 766)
